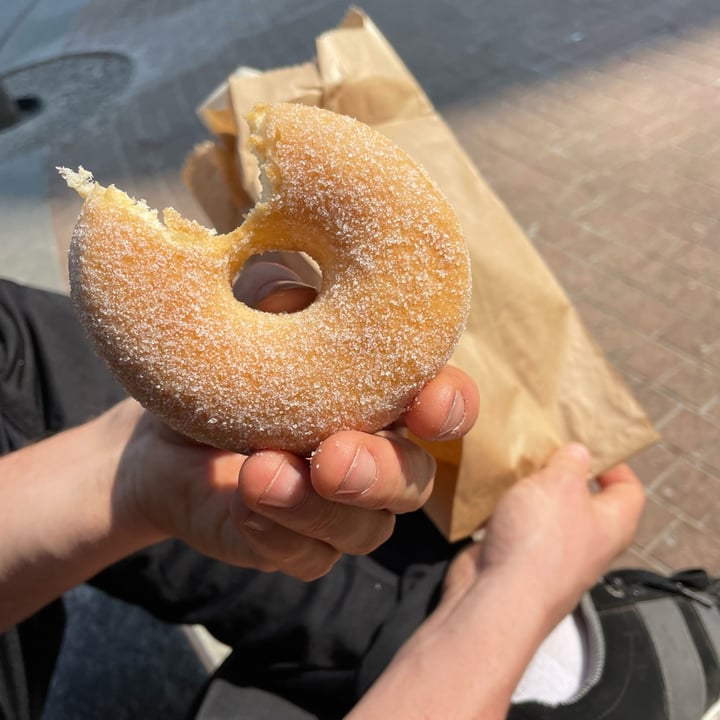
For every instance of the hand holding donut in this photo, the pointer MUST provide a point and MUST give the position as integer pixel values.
(273, 510)
(347, 500)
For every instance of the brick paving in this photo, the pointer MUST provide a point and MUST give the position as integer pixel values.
(597, 123)
(606, 151)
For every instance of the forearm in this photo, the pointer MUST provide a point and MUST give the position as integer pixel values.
(61, 516)
(548, 540)
(467, 659)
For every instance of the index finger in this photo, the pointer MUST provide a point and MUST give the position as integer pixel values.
(621, 500)
(620, 487)
(621, 475)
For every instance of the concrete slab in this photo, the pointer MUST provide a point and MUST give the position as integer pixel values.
(26, 252)
(35, 30)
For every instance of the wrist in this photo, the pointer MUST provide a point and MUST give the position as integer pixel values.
(115, 431)
(512, 595)
(554, 594)
(63, 514)
(471, 574)
(465, 661)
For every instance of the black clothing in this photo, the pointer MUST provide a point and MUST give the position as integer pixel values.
(319, 645)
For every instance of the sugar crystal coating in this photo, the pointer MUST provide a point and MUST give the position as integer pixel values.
(157, 298)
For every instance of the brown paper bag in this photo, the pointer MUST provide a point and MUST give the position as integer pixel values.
(541, 379)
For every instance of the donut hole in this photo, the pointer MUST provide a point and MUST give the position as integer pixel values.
(265, 278)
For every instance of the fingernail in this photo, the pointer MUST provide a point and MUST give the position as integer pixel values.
(455, 418)
(242, 516)
(579, 452)
(258, 522)
(361, 475)
(287, 489)
(258, 281)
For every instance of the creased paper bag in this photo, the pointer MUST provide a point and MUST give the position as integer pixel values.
(542, 380)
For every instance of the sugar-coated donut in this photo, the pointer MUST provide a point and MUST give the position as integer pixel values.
(157, 299)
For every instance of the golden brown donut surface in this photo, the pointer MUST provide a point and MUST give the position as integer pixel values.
(157, 299)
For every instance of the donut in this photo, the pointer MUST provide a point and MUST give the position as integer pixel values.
(156, 297)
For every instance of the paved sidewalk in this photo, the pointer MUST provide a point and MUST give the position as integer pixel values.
(598, 124)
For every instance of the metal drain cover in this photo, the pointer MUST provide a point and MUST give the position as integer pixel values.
(67, 90)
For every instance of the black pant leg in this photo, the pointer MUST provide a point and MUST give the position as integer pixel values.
(50, 378)
(323, 654)
(323, 688)
(27, 660)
